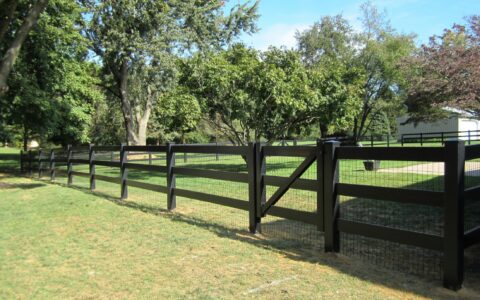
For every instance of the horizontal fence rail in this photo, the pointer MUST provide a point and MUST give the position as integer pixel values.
(324, 156)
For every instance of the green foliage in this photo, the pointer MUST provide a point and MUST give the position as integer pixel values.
(52, 88)
(139, 43)
(249, 95)
(176, 114)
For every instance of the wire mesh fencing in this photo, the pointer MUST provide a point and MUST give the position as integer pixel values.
(298, 234)
(411, 175)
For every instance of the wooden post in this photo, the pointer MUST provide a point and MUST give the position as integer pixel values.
(171, 182)
(371, 140)
(150, 158)
(124, 173)
(443, 139)
(331, 207)
(22, 167)
(254, 220)
(421, 139)
(320, 185)
(91, 166)
(216, 152)
(453, 269)
(40, 163)
(30, 158)
(260, 171)
(469, 139)
(52, 165)
(402, 140)
(388, 140)
(69, 165)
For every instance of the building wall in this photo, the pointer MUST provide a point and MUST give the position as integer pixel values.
(451, 124)
(465, 124)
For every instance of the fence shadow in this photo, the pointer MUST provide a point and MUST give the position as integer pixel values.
(282, 236)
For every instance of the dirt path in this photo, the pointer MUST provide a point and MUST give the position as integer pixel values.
(437, 168)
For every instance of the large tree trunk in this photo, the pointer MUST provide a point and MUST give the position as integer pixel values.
(13, 50)
(135, 118)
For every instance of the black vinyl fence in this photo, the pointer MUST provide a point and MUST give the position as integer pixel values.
(450, 199)
(440, 137)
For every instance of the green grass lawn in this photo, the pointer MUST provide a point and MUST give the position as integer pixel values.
(58, 242)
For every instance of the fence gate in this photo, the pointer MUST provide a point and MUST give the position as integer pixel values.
(283, 184)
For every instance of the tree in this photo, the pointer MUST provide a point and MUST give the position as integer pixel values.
(327, 49)
(380, 52)
(12, 46)
(139, 41)
(52, 89)
(248, 95)
(176, 114)
(445, 72)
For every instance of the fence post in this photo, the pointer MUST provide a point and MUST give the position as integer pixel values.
(30, 157)
(388, 140)
(171, 182)
(421, 139)
(260, 171)
(469, 140)
(22, 168)
(216, 152)
(124, 173)
(320, 182)
(442, 137)
(254, 220)
(149, 158)
(91, 166)
(371, 140)
(69, 165)
(402, 140)
(52, 165)
(331, 207)
(454, 214)
(40, 163)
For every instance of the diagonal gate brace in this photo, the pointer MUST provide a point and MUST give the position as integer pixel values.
(295, 175)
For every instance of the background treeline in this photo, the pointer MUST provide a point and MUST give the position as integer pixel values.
(106, 72)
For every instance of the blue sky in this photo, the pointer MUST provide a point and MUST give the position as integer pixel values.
(280, 19)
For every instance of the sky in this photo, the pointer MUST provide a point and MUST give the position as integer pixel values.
(280, 19)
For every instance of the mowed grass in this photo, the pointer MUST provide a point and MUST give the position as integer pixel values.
(58, 242)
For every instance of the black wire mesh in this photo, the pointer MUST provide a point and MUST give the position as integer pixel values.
(410, 175)
(299, 233)
(230, 218)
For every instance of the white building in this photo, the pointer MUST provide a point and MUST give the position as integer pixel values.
(458, 121)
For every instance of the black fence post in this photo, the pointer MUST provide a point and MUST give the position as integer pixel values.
(421, 139)
(22, 167)
(331, 208)
(388, 140)
(124, 173)
(30, 158)
(52, 165)
(260, 171)
(171, 182)
(254, 220)
(443, 138)
(216, 152)
(454, 214)
(402, 140)
(69, 165)
(469, 137)
(40, 163)
(320, 182)
(371, 140)
(91, 166)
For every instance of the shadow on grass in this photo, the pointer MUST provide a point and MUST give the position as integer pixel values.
(282, 237)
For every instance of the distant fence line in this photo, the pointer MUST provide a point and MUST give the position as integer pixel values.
(328, 187)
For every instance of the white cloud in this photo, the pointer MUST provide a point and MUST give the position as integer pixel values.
(280, 34)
